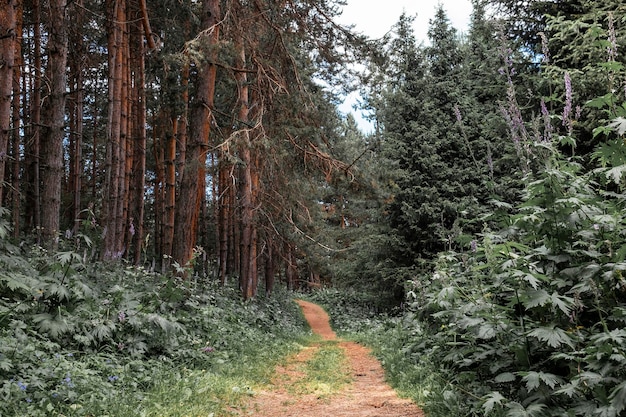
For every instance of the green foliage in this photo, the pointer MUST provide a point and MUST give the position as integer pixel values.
(95, 339)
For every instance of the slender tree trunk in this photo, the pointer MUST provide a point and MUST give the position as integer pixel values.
(16, 199)
(76, 130)
(114, 166)
(193, 182)
(54, 122)
(33, 142)
(247, 275)
(159, 189)
(270, 268)
(8, 36)
(170, 190)
(139, 143)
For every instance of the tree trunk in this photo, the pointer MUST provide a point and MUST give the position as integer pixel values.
(33, 130)
(16, 200)
(8, 37)
(116, 129)
(76, 121)
(247, 274)
(138, 137)
(193, 182)
(54, 122)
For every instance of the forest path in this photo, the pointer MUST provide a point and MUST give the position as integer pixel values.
(366, 395)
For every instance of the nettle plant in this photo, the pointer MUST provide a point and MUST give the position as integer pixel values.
(531, 319)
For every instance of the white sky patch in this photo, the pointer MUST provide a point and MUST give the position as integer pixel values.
(374, 18)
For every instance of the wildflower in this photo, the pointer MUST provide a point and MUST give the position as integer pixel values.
(612, 49)
(596, 226)
(22, 386)
(547, 126)
(567, 110)
(113, 378)
(474, 245)
(457, 113)
(29, 400)
(121, 317)
(208, 349)
(68, 381)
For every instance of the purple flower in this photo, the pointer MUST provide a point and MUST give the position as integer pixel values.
(113, 378)
(121, 317)
(22, 386)
(457, 113)
(612, 49)
(208, 349)
(567, 110)
(474, 245)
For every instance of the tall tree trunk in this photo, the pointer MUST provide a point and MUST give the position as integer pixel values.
(33, 129)
(8, 37)
(115, 164)
(139, 139)
(192, 186)
(247, 274)
(54, 122)
(170, 191)
(270, 267)
(16, 199)
(76, 121)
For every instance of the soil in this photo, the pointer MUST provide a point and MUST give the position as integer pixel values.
(367, 395)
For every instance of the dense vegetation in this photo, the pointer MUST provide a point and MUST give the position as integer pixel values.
(475, 239)
(79, 339)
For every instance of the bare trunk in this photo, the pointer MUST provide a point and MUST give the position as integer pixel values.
(54, 122)
(193, 182)
(16, 200)
(8, 36)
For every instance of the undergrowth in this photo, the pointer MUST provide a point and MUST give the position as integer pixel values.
(80, 339)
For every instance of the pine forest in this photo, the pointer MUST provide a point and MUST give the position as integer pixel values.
(174, 173)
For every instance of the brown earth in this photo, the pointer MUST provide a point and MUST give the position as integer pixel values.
(367, 395)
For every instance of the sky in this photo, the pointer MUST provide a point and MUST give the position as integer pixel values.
(374, 18)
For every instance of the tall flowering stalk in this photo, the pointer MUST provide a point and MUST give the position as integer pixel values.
(567, 110)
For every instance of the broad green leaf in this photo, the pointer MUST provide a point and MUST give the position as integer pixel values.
(534, 379)
(618, 397)
(570, 389)
(518, 410)
(565, 304)
(553, 336)
(505, 377)
(491, 400)
(616, 173)
(619, 125)
(535, 298)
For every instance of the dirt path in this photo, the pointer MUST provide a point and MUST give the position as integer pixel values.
(366, 396)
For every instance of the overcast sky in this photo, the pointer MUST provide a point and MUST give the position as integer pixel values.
(374, 18)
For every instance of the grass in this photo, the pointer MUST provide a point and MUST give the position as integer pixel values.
(326, 373)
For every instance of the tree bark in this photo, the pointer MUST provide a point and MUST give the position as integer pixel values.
(192, 186)
(16, 200)
(8, 36)
(138, 139)
(113, 215)
(54, 122)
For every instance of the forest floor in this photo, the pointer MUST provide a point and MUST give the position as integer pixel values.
(365, 393)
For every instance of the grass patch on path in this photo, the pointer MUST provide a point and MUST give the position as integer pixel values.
(326, 373)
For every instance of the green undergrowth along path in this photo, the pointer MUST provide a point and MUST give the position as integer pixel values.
(79, 339)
